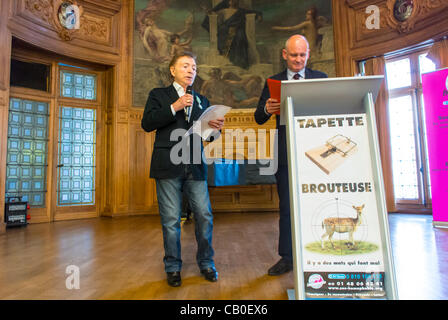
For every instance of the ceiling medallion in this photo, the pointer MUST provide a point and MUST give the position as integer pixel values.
(403, 9)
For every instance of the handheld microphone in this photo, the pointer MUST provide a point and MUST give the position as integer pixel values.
(187, 108)
(189, 90)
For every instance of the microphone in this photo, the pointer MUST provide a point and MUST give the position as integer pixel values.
(189, 90)
(187, 108)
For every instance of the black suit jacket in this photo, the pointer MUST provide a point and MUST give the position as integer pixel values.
(158, 116)
(261, 116)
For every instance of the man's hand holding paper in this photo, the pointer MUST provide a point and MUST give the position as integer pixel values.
(273, 103)
(212, 119)
(272, 106)
(216, 124)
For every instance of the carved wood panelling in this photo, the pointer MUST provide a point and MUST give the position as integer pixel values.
(244, 198)
(243, 138)
(122, 116)
(425, 13)
(109, 7)
(42, 10)
(5, 59)
(354, 41)
(5, 40)
(223, 199)
(93, 27)
(96, 40)
(3, 148)
(142, 193)
(121, 166)
(2, 99)
(135, 115)
(104, 38)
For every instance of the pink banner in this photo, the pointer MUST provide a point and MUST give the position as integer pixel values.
(435, 92)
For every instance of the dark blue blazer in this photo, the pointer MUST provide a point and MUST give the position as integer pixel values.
(261, 116)
(158, 116)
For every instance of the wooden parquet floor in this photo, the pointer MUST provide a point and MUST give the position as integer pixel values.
(121, 258)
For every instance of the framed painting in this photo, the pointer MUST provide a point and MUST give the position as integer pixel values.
(237, 43)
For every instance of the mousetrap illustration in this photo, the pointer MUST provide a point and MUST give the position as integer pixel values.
(331, 155)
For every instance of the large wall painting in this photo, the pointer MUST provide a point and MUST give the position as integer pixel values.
(238, 43)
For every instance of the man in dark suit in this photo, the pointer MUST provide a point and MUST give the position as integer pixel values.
(179, 171)
(296, 54)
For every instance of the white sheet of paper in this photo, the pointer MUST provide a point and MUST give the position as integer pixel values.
(201, 126)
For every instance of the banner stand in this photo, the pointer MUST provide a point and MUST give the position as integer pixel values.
(435, 93)
(325, 268)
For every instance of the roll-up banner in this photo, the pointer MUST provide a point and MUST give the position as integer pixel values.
(343, 253)
(435, 93)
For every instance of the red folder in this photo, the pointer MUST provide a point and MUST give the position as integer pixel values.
(275, 90)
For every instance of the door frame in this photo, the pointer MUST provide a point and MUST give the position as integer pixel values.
(52, 212)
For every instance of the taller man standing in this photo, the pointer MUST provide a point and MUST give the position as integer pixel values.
(296, 53)
(168, 109)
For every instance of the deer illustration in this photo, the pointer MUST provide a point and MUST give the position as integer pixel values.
(341, 225)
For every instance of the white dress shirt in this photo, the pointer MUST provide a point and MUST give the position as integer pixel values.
(290, 74)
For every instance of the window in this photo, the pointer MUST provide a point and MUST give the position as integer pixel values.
(26, 164)
(407, 128)
(30, 75)
(53, 138)
(77, 128)
(77, 138)
(77, 85)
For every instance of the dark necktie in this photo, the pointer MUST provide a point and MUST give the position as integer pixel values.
(296, 76)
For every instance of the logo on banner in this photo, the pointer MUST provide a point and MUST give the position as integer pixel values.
(316, 281)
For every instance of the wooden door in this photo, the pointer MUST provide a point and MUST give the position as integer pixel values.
(55, 141)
